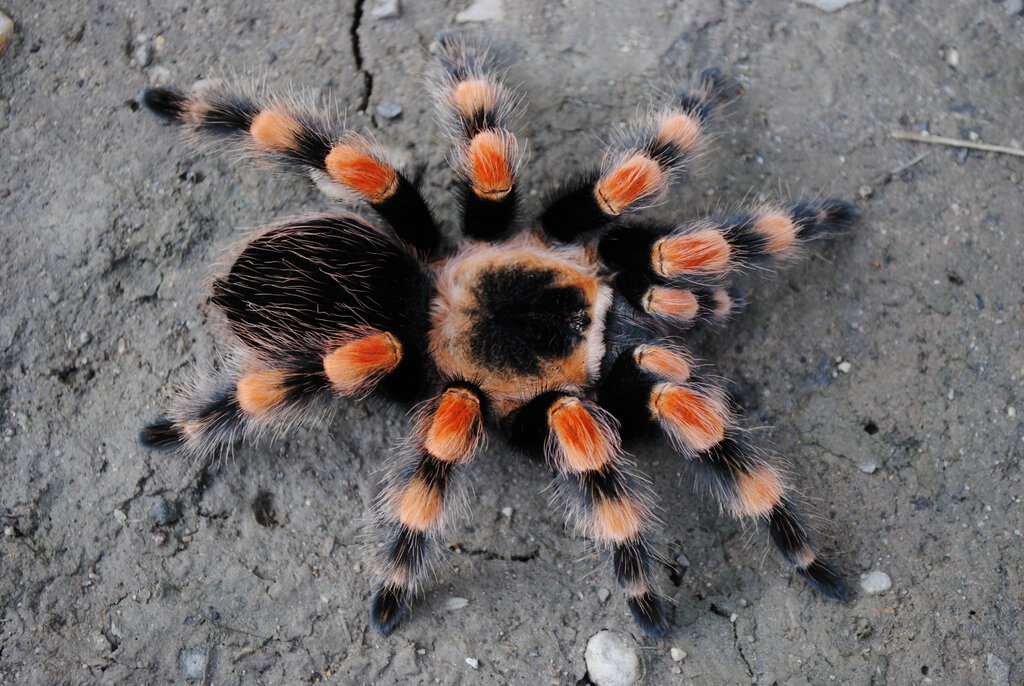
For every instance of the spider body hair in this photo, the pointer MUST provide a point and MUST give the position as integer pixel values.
(565, 336)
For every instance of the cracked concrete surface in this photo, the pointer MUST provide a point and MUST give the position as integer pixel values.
(910, 458)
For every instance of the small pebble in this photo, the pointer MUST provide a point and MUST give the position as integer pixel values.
(482, 10)
(844, 367)
(143, 55)
(828, 5)
(865, 192)
(612, 660)
(120, 516)
(473, 662)
(677, 655)
(455, 603)
(868, 467)
(1011, 412)
(389, 9)
(160, 538)
(602, 594)
(159, 76)
(192, 662)
(507, 512)
(952, 57)
(389, 110)
(683, 560)
(998, 670)
(6, 31)
(875, 582)
(166, 512)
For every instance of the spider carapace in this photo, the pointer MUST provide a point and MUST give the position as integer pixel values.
(563, 333)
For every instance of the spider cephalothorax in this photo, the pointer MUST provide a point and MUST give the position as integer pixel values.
(563, 336)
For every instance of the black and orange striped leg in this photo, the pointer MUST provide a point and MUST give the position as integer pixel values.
(478, 108)
(208, 420)
(712, 248)
(419, 494)
(638, 172)
(260, 397)
(300, 137)
(678, 305)
(608, 502)
(653, 385)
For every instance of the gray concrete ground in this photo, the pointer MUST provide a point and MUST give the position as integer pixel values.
(889, 363)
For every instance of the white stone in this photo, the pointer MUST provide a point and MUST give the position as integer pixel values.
(389, 110)
(875, 582)
(159, 76)
(389, 9)
(829, 5)
(952, 57)
(612, 660)
(844, 367)
(677, 655)
(473, 662)
(507, 512)
(6, 31)
(998, 670)
(482, 10)
(602, 594)
(455, 603)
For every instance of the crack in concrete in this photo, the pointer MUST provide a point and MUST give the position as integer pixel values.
(357, 53)
(714, 609)
(488, 555)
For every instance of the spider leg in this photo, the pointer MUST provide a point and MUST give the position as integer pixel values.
(654, 384)
(638, 172)
(419, 494)
(709, 249)
(477, 106)
(669, 272)
(257, 396)
(677, 305)
(298, 136)
(607, 500)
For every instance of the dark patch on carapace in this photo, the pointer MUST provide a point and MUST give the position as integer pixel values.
(522, 317)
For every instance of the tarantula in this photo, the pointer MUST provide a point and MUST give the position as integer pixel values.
(562, 335)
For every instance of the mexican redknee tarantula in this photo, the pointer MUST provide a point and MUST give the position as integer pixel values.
(562, 335)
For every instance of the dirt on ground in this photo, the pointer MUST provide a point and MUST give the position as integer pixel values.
(887, 367)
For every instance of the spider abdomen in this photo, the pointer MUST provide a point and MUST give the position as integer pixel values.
(519, 317)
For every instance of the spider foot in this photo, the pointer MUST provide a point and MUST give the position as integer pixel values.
(825, 579)
(389, 605)
(649, 613)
